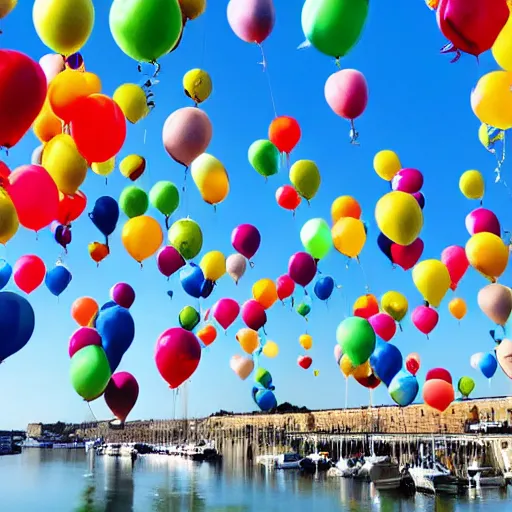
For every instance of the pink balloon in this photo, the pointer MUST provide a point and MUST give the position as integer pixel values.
(52, 65)
(169, 260)
(482, 221)
(302, 268)
(346, 92)
(383, 325)
(83, 337)
(420, 198)
(285, 286)
(121, 394)
(187, 134)
(29, 272)
(338, 353)
(425, 319)
(123, 295)
(406, 256)
(246, 240)
(251, 20)
(407, 180)
(456, 261)
(35, 196)
(254, 315)
(225, 311)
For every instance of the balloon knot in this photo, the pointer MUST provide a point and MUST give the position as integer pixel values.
(426, 303)
(251, 264)
(451, 48)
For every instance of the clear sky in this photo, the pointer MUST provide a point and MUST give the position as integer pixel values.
(419, 107)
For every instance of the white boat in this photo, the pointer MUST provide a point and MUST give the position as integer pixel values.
(288, 461)
(485, 477)
(30, 442)
(383, 473)
(433, 480)
(69, 446)
(266, 460)
(348, 467)
(117, 450)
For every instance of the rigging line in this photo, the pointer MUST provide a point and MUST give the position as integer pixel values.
(265, 70)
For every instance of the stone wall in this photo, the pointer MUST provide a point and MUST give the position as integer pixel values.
(35, 430)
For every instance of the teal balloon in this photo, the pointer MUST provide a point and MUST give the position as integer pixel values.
(5, 273)
(90, 372)
(133, 201)
(263, 378)
(164, 196)
(404, 388)
(316, 238)
(466, 386)
(356, 338)
(264, 157)
(189, 318)
(264, 398)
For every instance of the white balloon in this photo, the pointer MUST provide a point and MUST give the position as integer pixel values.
(52, 65)
(37, 155)
(475, 359)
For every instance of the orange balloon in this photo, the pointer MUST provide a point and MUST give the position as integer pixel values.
(366, 306)
(284, 132)
(345, 206)
(207, 334)
(47, 125)
(98, 251)
(84, 310)
(438, 393)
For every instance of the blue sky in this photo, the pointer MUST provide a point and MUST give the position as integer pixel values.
(419, 107)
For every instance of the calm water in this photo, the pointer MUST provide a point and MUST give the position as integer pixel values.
(68, 481)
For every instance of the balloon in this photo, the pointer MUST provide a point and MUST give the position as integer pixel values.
(407, 256)
(337, 354)
(324, 287)
(123, 295)
(488, 365)
(432, 279)
(456, 261)
(302, 268)
(472, 185)
(47, 125)
(386, 164)
(482, 221)
(288, 198)
(186, 237)
(495, 300)
(65, 164)
(254, 315)
(316, 238)
(29, 272)
(458, 308)
(105, 215)
(264, 398)
(439, 373)
(385, 245)
(213, 265)
(346, 92)
(242, 366)
(488, 254)
(5, 273)
(192, 280)
(6, 6)
(465, 386)
(248, 339)
(264, 291)
(407, 180)
(164, 196)
(52, 64)
(264, 157)
(304, 362)
(284, 132)
(438, 394)
(413, 363)
(305, 177)
(349, 236)
(425, 319)
(9, 222)
(133, 201)
(133, 167)
(403, 389)
(502, 47)
(192, 9)
(186, 134)
(365, 376)
(386, 361)
(225, 311)
(285, 286)
(235, 266)
(104, 168)
(271, 349)
(383, 325)
(98, 251)
(83, 337)
(121, 394)
(420, 198)
(345, 206)
(197, 85)
(207, 334)
(146, 31)
(399, 217)
(133, 102)
(17, 322)
(395, 305)
(37, 155)
(169, 261)
(356, 338)
(70, 207)
(504, 356)
(333, 27)
(57, 279)
(90, 372)
(346, 366)
(303, 308)
(210, 178)
(263, 378)
(246, 240)
(251, 20)
(189, 318)
(22, 95)
(366, 306)
(475, 359)
(306, 341)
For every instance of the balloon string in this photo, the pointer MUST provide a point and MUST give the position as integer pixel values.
(365, 277)
(92, 413)
(265, 70)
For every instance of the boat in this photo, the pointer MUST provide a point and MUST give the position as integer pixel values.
(348, 468)
(485, 477)
(434, 478)
(315, 462)
(117, 450)
(288, 461)
(30, 442)
(266, 460)
(7, 446)
(383, 473)
(69, 446)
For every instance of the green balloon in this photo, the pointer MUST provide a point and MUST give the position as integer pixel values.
(334, 26)
(466, 386)
(189, 318)
(264, 157)
(263, 378)
(90, 372)
(303, 309)
(186, 237)
(356, 338)
(164, 196)
(316, 238)
(133, 201)
(146, 30)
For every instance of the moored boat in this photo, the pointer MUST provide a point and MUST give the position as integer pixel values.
(288, 461)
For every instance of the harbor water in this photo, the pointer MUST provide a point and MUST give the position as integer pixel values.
(46, 480)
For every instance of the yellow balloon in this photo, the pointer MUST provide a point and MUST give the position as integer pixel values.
(9, 222)
(432, 279)
(394, 304)
(6, 6)
(104, 168)
(306, 341)
(132, 167)
(305, 177)
(248, 339)
(363, 371)
(264, 291)
(271, 349)
(213, 265)
(197, 85)
(47, 125)
(132, 100)
(210, 178)
(316, 373)
(488, 254)
(491, 100)
(502, 47)
(346, 366)
(458, 308)
(192, 9)
(386, 164)
(349, 236)
(399, 217)
(142, 236)
(472, 185)
(65, 164)
(63, 25)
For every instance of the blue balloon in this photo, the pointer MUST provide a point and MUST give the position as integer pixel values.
(385, 244)
(386, 361)
(117, 330)
(207, 288)
(488, 365)
(324, 287)
(109, 304)
(5, 273)
(403, 388)
(105, 215)
(264, 398)
(365, 225)
(192, 280)
(57, 279)
(17, 322)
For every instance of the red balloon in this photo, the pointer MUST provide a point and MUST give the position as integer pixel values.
(456, 261)
(98, 127)
(425, 319)
(22, 95)
(285, 286)
(121, 394)
(439, 374)
(412, 363)
(304, 362)
(254, 315)
(70, 207)
(439, 394)
(370, 382)
(284, 132)
(406, 256)
(177, 355)
(35, 196)
(29, 272)
(288, 198)
(4, 175)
